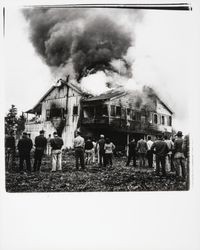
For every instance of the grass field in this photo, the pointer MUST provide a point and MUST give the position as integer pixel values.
(117, 178)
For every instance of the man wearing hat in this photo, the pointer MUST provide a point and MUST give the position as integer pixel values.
(179, 158)
(161, 149)
(40, 146)
(24, 146)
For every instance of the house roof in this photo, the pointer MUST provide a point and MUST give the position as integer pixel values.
(111, 94)
(121, 92)
(38, 105)
(107, 95)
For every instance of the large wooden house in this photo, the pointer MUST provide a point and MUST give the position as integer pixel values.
(118, 114)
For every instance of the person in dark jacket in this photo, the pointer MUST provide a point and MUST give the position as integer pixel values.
(24, 146)
(88, 151)
(10, 149)
(132, 153)
(161, 149)
(40, 146)
(56, 152)
(179, 157)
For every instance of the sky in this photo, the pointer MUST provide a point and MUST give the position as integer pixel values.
(163, 59)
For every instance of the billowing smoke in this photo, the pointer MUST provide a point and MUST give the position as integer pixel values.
(81, 42)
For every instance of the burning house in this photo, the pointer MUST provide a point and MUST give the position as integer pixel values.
(119, 114)
(97, 49)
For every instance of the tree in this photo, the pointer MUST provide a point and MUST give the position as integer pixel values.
(11, 119)
(13, 122)
(21, 124)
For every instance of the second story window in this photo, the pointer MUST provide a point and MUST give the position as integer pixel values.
(118, 111)
(155, 118)
(112, 110)
(170, 121)
(48, 114)
(75, 110)
(163, 120)
(123, 113)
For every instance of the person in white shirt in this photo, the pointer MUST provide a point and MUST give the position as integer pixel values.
(169, 163)
(108, 147)
(94, 151)
(79, 145)
(149, 152)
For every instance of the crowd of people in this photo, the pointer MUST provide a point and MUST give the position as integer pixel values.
(163, 154)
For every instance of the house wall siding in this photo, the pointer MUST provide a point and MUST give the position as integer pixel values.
(59, 98)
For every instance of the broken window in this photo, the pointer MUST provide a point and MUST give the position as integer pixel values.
(112, 110)
(75, 110)
(155, 118)
(118, 111)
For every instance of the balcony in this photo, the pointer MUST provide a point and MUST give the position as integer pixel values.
(95, 120)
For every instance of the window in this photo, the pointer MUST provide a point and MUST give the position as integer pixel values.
(104, 110)
(101, 110)
(56, 112)
(162, 120)
(118, 111)
(48, 114)
(112, 110)
(75, 110)
(123, 113)
(170, 121)
(133, 116)
(88, 112)
(137, 116)
(155, 118)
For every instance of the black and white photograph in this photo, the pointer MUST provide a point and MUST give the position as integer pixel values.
(100, 125)
(98, 101)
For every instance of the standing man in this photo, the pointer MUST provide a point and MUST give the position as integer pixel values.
(160, 148)
(56, 152)
(170, 145)
(10, 149)
(149, 152)
(108, 147)
(179, 158)
(142, 150)
(49, 145)
(101, 150)
(94, 150)
(88, 150)
(132, 153)
(40, 146)
(79, 145)
(24, 146)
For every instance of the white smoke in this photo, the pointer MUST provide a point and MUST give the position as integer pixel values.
(95, 84)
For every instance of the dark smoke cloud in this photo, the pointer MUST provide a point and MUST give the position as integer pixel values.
(88, 38)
